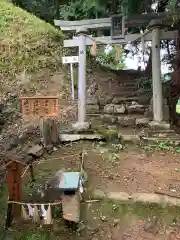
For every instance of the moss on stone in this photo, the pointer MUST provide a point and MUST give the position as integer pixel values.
(109, 134)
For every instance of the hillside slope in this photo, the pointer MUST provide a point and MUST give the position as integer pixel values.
(30, 56)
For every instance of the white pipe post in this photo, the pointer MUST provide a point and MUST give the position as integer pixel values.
(82, 79)
(72, 80)
(156, 76)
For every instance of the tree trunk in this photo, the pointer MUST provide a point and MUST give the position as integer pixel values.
(174, 92)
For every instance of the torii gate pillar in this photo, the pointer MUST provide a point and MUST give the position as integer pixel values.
(82, 77)
(156, 76)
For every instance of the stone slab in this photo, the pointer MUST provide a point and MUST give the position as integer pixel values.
(159, 125)
(137, 197)
(77, 137)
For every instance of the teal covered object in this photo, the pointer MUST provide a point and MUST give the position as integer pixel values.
(70, 181)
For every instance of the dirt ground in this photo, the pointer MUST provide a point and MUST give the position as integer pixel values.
(134, 170)
(130, 170)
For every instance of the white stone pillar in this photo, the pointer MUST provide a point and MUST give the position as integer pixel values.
(81, 123)
(156, 76)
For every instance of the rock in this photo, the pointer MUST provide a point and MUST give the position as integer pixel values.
(92, 89)
(135, 108)
(142, 121)
(118, 146)
(113, 127)
(106, 118)
(119, 108)
(129, 138)
(177, 143)
(126, 121)
(109, 108)
(36, 151)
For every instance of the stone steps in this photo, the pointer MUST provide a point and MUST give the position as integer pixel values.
(154, 140)
(138, 99)
(162, 133)
(128, 84)
(125, 120)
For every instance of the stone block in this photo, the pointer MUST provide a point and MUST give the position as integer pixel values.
(135, 108)
(142, 121)
(159, 125)
(130, 138)
(119, 109)
(107, 118)
(127, 121)
(109, 108)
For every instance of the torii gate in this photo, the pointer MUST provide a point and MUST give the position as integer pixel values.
(117, 24)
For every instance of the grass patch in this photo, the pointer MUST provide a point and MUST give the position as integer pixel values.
(27, 44)
(127, 211)
(3, 204)
(33, 235)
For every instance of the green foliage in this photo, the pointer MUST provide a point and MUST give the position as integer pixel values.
(44, 9)
(165, 145)
(144, 85)
(82, 9)
(131, 6)
(109, 59)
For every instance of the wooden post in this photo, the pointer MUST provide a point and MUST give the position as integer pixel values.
(49, 131)
(32, 172)
(15, 185)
